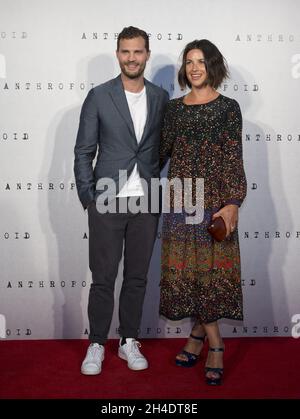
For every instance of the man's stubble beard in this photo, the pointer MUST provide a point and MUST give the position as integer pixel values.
(133, 75)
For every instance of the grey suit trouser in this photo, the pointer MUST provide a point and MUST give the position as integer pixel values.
(107, 234)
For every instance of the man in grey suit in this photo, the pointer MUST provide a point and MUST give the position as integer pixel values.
(120, 121)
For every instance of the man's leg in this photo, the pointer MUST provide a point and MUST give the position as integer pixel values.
(106, 235)
(140, 236)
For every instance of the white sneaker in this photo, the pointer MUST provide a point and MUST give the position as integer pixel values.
(93, 361)
(130, 352)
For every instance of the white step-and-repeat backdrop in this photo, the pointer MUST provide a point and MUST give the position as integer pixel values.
(51, 53)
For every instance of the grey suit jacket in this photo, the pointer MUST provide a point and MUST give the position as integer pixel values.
(106, 130)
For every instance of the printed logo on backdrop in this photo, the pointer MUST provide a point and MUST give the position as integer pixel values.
(250, 282)
(265, 38)
(52, 86)
(5, 332)
(113, 36)
(7, 137)
(271, 235)
(229, 87)
(271, 330)
(13, 35)
(249, 235)
(45, 285)
(13, 333)
(38, 186)
(151, 331)
(177, 331)
(247, 137)
(15, 235)
(273, 138)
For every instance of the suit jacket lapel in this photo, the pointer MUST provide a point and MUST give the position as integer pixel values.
(119, 98)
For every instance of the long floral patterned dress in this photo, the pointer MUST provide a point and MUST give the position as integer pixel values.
(201, 277)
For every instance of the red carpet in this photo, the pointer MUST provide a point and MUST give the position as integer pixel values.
(255, 368)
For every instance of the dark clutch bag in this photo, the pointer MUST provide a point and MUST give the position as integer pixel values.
(217, 229)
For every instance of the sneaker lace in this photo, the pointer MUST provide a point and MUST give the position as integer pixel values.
(135, 348)
(94, 350)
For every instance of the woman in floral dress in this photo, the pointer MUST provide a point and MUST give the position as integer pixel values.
(202, 136)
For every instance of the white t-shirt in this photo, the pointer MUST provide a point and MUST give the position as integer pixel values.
(137, 103)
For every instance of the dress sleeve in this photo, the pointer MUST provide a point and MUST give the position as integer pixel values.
(167, 136)
(234, 184)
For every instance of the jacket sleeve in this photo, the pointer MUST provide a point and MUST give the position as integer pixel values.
(86, 149)
(233, 179)
(167, 137)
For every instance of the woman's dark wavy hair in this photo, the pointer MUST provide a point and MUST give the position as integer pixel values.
(215, 63)
(131, 32)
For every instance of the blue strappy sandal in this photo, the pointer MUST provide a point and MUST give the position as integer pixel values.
(192, 359)
(218, 380)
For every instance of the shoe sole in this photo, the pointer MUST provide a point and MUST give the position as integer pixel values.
(185, 364)
(120, 355)
(90, 372)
